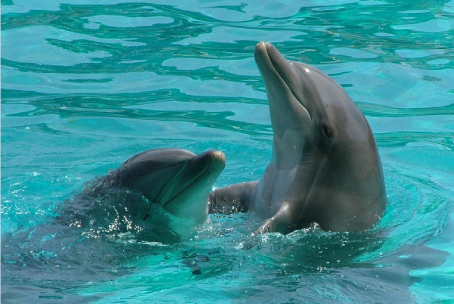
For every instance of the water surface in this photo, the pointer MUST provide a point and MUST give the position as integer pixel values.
(86, 85)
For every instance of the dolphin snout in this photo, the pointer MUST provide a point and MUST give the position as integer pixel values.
(217, 158)
(260, 45)
(217, 155)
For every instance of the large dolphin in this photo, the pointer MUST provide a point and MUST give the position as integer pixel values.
(325, 167)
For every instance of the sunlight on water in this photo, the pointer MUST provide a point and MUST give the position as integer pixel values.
(87, 85)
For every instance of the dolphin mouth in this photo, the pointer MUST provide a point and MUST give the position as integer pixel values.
(269, 59)
(207, 166)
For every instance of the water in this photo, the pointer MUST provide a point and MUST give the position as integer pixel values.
(87, 84)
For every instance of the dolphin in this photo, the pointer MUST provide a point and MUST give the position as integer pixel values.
(325, 167)
(178, 181)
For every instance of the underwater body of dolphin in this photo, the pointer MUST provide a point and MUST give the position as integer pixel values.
(325, 167)
(155, 197)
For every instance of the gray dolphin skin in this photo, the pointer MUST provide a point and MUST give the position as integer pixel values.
(325, 166)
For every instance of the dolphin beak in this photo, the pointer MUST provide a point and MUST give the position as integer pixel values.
(269, 59)
(216, 159)
(207, 166)
(290, 118)
(190, 198)
(283, 84)
(200, 172)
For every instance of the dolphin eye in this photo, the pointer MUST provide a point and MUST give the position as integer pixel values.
(326, 131)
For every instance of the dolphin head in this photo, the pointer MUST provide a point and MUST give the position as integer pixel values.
(324, 152)
(178, 180)
(308, 109)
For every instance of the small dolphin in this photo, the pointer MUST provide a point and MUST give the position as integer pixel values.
(177, 180)
(325, 167)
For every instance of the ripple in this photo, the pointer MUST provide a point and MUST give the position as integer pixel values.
(431, 26)
(224, 34)
(359, 54)
(17, 44)
(123, 21)
(411, 53)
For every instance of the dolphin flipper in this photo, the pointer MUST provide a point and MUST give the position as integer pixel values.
(232, 199)
(278, 223)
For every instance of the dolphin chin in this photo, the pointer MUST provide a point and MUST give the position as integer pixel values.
(325, 166)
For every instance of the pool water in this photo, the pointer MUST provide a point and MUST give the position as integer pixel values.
(87, 84)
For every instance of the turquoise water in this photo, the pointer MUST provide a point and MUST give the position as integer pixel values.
(87, 84)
